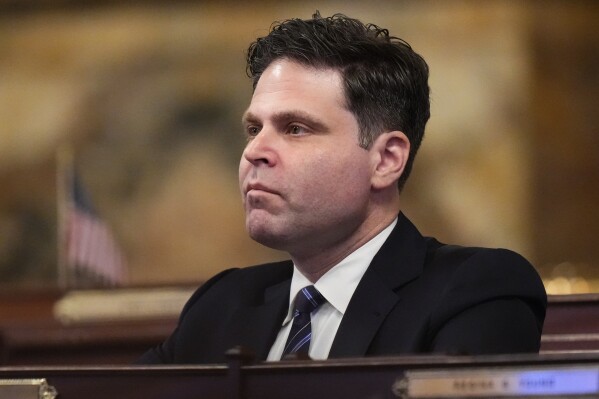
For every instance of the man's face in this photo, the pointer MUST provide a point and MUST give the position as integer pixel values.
(304, 179)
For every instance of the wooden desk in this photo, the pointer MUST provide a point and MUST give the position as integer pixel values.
(30, 335)
(349, 378)
(48, 342)
(571, 324)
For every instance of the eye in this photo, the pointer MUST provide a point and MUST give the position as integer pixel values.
(296, 130)
(252, 131)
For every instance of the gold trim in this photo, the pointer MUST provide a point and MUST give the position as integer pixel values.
(27, 388)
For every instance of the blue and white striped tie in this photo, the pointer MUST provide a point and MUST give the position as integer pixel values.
(308, 299)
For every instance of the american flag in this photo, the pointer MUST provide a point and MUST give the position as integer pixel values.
(91, 252)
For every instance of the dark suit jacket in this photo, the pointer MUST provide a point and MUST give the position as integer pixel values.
(417, 296)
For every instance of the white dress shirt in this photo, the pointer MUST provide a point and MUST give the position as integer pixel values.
(337, 286)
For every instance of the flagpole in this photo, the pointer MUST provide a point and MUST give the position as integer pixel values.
(64, 180)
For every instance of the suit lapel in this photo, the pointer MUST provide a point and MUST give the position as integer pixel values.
(400, 260)
(256, 327)
(367, 309)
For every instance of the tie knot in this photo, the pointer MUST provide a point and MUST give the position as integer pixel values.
(308, 299)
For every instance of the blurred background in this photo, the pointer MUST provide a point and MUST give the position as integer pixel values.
(148, 96)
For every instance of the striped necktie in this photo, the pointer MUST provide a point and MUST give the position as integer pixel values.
(308, 299)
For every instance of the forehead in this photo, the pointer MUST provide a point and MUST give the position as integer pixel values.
(289, 83)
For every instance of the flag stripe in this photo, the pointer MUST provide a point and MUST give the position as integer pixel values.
(90, 243)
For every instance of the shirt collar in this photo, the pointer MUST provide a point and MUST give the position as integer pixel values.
(339, 283)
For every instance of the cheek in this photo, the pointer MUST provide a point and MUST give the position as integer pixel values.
(243, 171)
(338, 178)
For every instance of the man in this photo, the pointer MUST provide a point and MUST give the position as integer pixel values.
(336, 118)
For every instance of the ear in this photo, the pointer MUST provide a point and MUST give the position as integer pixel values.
(390, 152)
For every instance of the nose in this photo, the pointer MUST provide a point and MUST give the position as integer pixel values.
(260, 149)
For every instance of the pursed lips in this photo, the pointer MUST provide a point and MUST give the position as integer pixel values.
(259, 187)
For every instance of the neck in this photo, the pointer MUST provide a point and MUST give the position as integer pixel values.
(315, 263)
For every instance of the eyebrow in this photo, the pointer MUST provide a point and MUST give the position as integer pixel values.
(282, 118)
(248, 118)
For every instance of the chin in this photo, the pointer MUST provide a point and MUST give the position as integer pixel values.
(266, 237)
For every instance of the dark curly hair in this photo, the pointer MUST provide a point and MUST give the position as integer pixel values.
(385, 81)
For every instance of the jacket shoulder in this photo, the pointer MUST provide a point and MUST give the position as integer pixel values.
(241, 282)
(470, 276)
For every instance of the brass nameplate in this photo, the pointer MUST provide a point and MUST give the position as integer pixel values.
(498, 383)
(34, 388)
